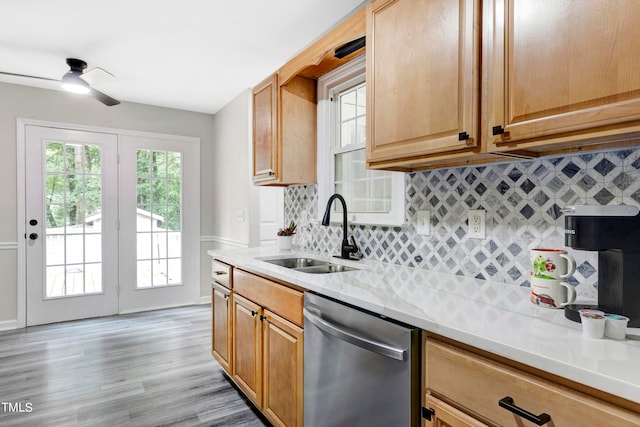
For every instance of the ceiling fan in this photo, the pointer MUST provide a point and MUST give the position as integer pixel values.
(75, 80)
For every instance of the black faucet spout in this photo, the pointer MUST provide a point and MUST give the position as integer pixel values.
(346, 249)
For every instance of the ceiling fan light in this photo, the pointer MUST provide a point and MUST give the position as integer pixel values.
(72, 83)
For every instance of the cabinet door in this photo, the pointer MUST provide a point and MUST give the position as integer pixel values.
(283, 371)
(422, 78)
(265, 130)
(443, 415)
(221, 325)
(247, 347)
(564, 69)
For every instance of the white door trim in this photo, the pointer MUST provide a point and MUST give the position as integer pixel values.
(21, 123)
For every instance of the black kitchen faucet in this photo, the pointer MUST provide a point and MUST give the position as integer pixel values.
(347, 251)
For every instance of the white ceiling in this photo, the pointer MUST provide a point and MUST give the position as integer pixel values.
(193, 55)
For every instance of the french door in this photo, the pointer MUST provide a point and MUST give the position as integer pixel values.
(112, 223)
(71, 229)
(159, 223)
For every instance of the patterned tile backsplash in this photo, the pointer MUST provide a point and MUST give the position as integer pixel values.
(522, 202)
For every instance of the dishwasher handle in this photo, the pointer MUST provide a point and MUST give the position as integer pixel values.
(352, 338)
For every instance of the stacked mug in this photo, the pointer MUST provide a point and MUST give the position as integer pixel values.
(549, 268)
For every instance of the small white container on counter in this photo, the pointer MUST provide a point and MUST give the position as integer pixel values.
(616, 326)
(593, 324)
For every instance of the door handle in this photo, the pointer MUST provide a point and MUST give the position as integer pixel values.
(355, 339)
(33, 236)
(33, 222)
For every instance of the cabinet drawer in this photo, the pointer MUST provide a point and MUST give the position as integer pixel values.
(278, 298)
(476, 385)
(221, 273)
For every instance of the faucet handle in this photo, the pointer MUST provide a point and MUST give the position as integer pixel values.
(354, 253)
(353, 243)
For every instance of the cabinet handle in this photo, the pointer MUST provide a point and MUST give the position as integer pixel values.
(226, 297)
(427, 413)
(462, 136)
(253, 313)
(219, 273)
(271, 173)
(262, 317)
(507, 403)
(497, 130)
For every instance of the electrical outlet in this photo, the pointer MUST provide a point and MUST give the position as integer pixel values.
(477, 226)
(423, 225)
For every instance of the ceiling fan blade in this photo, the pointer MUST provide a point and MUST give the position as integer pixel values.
(28, 76)
(96, 76)
(105, 99)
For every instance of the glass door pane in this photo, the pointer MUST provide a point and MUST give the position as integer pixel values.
(73, 233)
(158, 218)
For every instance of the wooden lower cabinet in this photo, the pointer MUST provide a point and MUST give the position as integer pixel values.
(266, 348)
(221, 326)
(444, 415)
(283, 374)
(247, 348)
(464, 389)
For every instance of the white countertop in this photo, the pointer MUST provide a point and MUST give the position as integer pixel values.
(491, 316)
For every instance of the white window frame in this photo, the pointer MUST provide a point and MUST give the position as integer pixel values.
(351, 74)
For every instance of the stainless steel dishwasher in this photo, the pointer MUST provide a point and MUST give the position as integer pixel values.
(360, 369)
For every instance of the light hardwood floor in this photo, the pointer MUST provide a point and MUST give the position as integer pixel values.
(143, 369)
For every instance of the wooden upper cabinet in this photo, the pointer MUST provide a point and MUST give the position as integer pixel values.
(562, 72)
(422, 79)
(285, 108)
(265, 130)
(284, 132)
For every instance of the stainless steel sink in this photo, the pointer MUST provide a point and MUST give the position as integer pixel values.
(309, 265)
(296, 263)
(329, 268)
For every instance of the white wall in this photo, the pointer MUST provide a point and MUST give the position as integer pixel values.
(41, 104)
(228, 180)
(230, 167)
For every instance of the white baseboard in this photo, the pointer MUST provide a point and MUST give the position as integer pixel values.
(8, 325)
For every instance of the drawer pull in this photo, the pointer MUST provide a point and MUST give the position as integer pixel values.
(220, 273)
(507, 403)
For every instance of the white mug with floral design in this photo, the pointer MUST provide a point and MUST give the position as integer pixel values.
(551, 264)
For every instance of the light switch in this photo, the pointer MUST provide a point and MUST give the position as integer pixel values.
(240, 215)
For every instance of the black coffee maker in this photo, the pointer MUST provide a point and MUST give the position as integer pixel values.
(613, 231)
